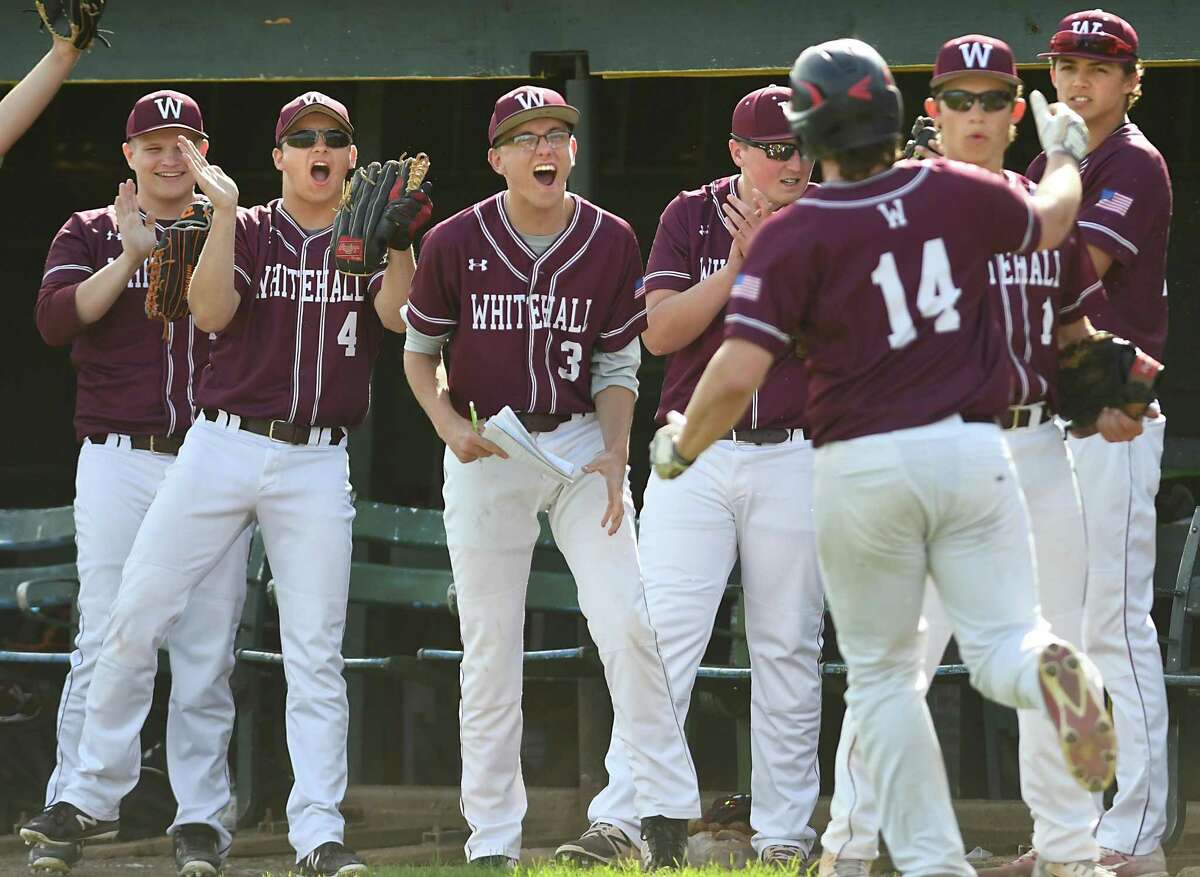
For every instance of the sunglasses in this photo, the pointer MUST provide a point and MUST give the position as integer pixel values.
(306, 138)
(960, 100)
(1067, 41)
(774, 151)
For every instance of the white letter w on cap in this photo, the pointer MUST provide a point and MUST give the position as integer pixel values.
(169, 107)
(530, 99)
(976, 54)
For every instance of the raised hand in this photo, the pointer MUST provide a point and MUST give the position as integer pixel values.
(138, 235)
(1060, 128)
(213, 182)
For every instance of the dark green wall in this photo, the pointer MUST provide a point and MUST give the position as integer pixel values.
(307, 39)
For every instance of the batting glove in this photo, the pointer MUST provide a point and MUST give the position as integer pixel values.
(1061, 130)
(668, 463)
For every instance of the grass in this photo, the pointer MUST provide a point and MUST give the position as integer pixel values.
(551, 869)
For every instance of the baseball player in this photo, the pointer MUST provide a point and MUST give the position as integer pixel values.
(741, 500)
(976, 104)
(288, 374)
(883, 275)
(540, 293)
(133, 405)
(1124, 221)
(29, 97)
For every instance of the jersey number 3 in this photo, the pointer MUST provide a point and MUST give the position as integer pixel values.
(936, 296)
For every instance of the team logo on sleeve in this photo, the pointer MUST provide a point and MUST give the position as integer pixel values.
(747, 286)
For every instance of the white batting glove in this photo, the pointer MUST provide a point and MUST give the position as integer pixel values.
(1060, 128)
(664, 453)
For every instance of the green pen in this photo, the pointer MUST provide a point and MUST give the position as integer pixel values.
(474, 418)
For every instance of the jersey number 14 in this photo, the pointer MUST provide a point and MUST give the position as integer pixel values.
(936, 296)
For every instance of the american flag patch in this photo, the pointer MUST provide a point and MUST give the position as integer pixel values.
(1111, 199)
(746, 286)
(639, 288)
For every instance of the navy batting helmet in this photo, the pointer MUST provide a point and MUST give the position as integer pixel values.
(843, 96)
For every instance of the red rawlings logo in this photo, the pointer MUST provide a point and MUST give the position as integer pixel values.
(349, 248)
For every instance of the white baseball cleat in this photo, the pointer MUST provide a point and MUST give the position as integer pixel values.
(837, 866)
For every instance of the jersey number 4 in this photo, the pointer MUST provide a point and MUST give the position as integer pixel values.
(348, 335)
(936, 296)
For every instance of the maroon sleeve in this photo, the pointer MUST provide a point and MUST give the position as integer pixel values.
(68, 264)
(1012, 224)
(245, 243)
(1036, 168)
(668, 267)
(433, 302)
(627, 316)
(1080, 282)
(1120, 212)
(770, 296)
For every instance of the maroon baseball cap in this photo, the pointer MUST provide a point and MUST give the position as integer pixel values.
(308, 102)
(759, 116)
(528, 102)
(975, 54)
(164, 109)
(1096, 35)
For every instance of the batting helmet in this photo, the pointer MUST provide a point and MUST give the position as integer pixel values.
(843, 96)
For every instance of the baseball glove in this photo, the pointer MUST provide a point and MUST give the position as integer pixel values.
(923, 133)
(75, 20)
(172, 261)
(382, 206)
(1102, 371)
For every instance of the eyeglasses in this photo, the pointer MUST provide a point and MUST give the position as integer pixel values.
(529, 142)
(306, 138)
(774, 151)
(1093, 44)
(960, 100)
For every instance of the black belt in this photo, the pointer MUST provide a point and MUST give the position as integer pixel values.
(159, 444)
(280, 430)
(542, 422)
(978, 418)
(771, 436)
(1019, 417)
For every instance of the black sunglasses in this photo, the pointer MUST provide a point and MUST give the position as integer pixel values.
(774, 151)
(961, 100)
(306, 138)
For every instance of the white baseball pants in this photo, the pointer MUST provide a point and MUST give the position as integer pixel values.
(756, 502)
(114, 486)
(491, 528)
(224, 479)
(891, 509)
(1118, 483)
(1064, 816)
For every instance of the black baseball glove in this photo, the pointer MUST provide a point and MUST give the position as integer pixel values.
(923, 133)
(172, 261)
(74, 20)
(383, 206)
(1102, 371)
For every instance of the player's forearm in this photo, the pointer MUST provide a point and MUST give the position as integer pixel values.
(29, 97)
(614, 412)
(1056, 200)
(96, 295)
(212, 298)
(421, 371)
(393, 294)
(678, 319)
(721, 397)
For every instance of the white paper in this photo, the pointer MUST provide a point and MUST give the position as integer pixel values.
(505, 429)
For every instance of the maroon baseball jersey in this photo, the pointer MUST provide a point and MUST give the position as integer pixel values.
(1126, 212)
(525, 326)
(129, 378)
(1038, 292)
(692, 242)
(301, 346)
(886, 282)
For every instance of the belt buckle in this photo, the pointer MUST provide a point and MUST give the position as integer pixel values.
(153, 449)
(271, 431)
(1016, 418)
(733, 436)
